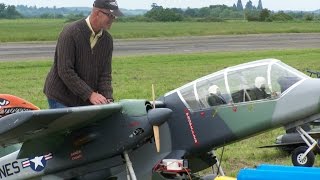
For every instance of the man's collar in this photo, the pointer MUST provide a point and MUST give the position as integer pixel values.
(90, 27)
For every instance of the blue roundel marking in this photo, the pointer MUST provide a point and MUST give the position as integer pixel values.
(38, 163)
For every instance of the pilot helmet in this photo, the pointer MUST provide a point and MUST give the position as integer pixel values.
(214, 89)
(260, 82)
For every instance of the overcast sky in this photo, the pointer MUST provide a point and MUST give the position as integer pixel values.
(305, 5)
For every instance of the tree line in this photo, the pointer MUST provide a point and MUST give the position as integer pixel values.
(22, 11)
(248, 12)
(213, 13)
(9, 12)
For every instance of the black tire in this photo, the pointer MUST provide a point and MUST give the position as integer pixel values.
(308, 161)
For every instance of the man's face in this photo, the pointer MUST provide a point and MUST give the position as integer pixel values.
(106, 18)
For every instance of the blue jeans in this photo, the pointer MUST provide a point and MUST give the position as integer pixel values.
(53, 104)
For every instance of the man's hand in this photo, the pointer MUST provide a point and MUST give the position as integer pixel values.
(97, 99)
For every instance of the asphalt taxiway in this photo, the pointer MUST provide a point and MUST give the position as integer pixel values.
(178, 45)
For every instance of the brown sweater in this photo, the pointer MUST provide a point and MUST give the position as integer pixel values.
(78, 70)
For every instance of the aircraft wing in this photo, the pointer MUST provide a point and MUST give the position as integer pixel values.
(282, 145)
(28, 125)
(315, 134)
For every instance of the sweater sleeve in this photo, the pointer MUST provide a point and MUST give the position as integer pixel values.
(66, 59)
(105, 80)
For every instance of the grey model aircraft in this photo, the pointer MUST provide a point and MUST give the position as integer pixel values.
(296, 143)
(171, 138)
(293, 143)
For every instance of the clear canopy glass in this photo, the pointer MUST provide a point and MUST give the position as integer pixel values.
(255, 81)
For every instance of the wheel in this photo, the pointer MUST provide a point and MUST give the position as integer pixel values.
(308, 161)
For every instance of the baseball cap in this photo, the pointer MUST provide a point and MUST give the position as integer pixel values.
(111, 5)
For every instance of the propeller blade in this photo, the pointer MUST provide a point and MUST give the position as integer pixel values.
(156, 137)
(156, 133)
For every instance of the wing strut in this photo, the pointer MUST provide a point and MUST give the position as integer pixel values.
(129, 166)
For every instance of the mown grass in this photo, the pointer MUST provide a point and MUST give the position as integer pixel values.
(133, 76)
(30, 30)
(49, 29)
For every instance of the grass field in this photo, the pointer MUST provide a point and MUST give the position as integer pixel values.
(134, 75)
(48, 29)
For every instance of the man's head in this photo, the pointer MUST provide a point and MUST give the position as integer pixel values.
(110, 5)
(104, 12)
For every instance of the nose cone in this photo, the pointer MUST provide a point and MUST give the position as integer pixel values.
(158, 116)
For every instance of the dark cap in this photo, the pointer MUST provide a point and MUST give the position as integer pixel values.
(111, 5)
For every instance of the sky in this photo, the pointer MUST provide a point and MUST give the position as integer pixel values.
(301, 5)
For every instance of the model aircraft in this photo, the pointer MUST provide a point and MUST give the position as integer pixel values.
(170, 138)
(296, 143)
(293, 143)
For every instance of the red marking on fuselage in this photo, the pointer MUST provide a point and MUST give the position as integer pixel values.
(134, 124)
(187, 112)
(203, 114)
(234, 108)
(76, 155)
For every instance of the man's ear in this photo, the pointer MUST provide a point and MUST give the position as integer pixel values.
(95, 13)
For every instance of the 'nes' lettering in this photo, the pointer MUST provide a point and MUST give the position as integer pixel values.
(9, 169)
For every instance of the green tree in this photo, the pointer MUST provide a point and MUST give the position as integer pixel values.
(239, 5)
(154, 5)
(297, 15)
(252, 15)
(2, 10)
(158, 13)
(204, 12)
(265, 15)
(260, 7)
(281, 16)
(308, 17)
(191, 12)
(177, 10)
(249, 5)
(171, 15)
(234, 7)
(155, 12)
(12, 13)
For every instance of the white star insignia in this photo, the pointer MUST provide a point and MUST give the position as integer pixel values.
(37, 161)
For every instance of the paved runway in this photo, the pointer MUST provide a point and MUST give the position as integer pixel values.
(45, 50)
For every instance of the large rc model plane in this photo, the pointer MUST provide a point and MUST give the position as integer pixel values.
(170, 138)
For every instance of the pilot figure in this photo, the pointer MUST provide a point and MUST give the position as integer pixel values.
(215, 97)
(259, 91)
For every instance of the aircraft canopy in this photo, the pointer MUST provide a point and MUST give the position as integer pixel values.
(260, 80)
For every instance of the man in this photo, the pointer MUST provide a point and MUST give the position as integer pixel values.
(215, 98)
(259, 91)
(81, 72)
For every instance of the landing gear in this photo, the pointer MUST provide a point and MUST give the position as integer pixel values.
(217, 165)
(130, 172)
(303, 155)
(298, 160)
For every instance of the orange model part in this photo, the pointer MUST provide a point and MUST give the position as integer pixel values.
(10, 104)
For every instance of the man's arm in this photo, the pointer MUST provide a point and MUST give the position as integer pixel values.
(105, 79)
